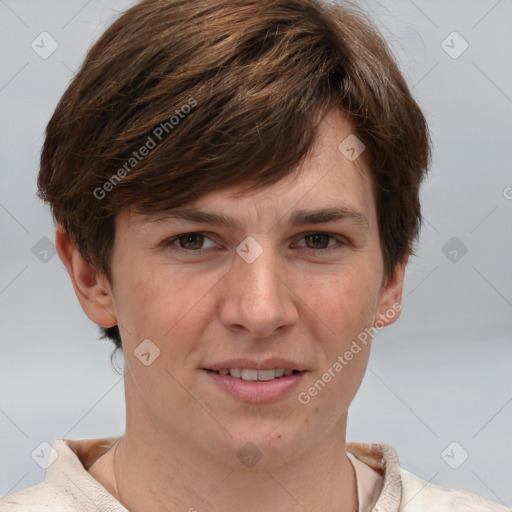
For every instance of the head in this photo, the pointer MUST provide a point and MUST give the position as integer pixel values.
(239, 108)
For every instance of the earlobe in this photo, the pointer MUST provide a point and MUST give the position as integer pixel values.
(93, 291)
(390, 301)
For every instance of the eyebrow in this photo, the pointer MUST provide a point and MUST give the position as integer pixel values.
(298, 218)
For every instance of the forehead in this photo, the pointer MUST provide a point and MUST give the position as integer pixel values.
(329, 184)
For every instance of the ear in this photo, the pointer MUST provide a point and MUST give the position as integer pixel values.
(390, 301)
(93, 291)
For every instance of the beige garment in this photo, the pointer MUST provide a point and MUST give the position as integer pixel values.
(383, 486)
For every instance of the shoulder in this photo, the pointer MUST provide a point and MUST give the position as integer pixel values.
(38, 498)
(67, 486)
(402, 491)
(419, 495)
(76, 495)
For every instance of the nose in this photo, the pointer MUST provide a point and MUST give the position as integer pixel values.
(258, 297)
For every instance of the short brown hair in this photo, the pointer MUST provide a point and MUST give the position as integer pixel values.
(246, 82)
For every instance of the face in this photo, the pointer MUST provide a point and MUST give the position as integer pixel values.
(283, 282)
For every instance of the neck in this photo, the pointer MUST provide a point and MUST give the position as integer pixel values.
(152, 473)
(198, 466)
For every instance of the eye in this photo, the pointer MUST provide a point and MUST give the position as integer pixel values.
(320, 242)
(188, 242)
(192, 243)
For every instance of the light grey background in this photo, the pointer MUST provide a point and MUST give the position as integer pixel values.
(441, 374)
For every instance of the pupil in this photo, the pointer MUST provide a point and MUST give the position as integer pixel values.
(189, 239)
(315, 237)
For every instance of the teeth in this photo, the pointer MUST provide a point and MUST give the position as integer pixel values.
(250, 374)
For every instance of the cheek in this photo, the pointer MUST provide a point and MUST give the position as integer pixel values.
(345, 307)
(162, 303)
(143, 301)
(345, 304)
(158, 305)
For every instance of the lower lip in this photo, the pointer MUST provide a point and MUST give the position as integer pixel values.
(257, 391)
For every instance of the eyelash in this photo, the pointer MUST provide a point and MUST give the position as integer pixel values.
(170, 243)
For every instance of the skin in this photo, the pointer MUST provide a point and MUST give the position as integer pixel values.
(296, 301)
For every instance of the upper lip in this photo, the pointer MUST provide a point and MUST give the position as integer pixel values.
(267, 364)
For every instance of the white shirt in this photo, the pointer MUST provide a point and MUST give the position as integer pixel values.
(382, 485)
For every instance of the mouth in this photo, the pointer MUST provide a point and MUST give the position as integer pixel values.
(250, 374)
(251, 385)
